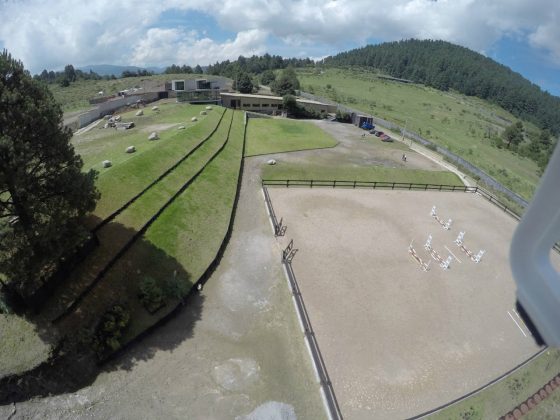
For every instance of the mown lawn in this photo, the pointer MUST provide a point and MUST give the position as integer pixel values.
(458, 122)
(285, 170)
(503, 396)
(179, 245)
(101, 144)
(128, 177)
(21, 347)
(266, 136)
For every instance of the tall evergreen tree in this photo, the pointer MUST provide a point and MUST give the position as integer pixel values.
(243, 83)
(287, 83)
(43, 192)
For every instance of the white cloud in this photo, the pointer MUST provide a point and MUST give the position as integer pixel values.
(180, 46)
(51, 34)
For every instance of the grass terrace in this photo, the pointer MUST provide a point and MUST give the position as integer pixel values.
(266, 135)
(286, 170)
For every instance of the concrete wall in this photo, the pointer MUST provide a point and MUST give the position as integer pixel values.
(108, 107)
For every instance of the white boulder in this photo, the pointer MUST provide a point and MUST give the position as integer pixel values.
(193, 119)
(203, 112)
(155, 108)
(107, 164)
(130, 149)
(139, 113)
(181, 127)
(153, 136)
(271, 162)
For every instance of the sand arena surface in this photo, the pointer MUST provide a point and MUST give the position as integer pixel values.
(398, 341)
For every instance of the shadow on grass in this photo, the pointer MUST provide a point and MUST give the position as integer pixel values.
(73, 363)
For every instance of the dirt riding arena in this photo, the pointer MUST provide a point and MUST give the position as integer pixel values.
(397, 340)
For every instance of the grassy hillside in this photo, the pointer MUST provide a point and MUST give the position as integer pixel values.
(462, 124)
(75, 97)
(445, 66)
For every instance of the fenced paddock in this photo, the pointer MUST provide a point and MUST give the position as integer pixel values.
(398, 341)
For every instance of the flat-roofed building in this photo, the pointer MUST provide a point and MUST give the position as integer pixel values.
(269, 104)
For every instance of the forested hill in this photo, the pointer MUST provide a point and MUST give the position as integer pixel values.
(446, 66)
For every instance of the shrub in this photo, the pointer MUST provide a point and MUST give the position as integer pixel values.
(151, 294)
(175, 287)
(431, 146)
(109, 330)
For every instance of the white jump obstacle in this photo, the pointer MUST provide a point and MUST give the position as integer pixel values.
(435, 255)
(424, 266)
(474, 257)
(445, 225)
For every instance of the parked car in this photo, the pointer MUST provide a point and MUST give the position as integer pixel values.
(385, 137)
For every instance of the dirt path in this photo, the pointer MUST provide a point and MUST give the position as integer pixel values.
(353, 149)
(243, 354)
(433, 156)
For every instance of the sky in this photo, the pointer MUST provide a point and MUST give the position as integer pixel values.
(522, 34)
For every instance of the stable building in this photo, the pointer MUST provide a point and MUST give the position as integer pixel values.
(268, 104)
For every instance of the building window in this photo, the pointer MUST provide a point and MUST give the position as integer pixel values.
(256, 105)
(273, 105)
(179, 85)
(245, 105)
(264, 105)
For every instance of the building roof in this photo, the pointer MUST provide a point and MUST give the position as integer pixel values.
(279, 98)
(248, 96)
(310, 101)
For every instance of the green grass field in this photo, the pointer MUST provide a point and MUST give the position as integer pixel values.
(130, 173)
(455, 121)
(283, 171)
(181, 243)
(114, 235)
(75, 97)
(21, 347)
(266, 135)
(503, 396)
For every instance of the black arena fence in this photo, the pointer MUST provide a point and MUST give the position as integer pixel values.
(326, 384)
(411, 186)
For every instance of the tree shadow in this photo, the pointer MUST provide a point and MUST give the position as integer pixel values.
(99, 282)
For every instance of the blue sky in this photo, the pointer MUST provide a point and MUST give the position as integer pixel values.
(522, 34)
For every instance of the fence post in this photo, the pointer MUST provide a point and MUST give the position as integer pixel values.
(354, 184)
(311, 183)
(440, 187)
(409, 186)
(393, 187)
(287, 183)
(334, 184)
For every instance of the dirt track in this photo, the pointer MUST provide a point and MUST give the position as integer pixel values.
(244, 355)
(398, 341)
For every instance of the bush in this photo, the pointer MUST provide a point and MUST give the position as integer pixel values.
(431, 146)
(109, 330)
(175, 288)
(151, 294)
(343, 117)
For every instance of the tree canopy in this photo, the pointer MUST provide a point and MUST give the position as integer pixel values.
(243, 83)
(43, 192)
(286, 83)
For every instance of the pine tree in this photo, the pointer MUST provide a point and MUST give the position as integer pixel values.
(43, 192)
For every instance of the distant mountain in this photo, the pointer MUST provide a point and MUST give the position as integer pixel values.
(446, 66)
(110, 69)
